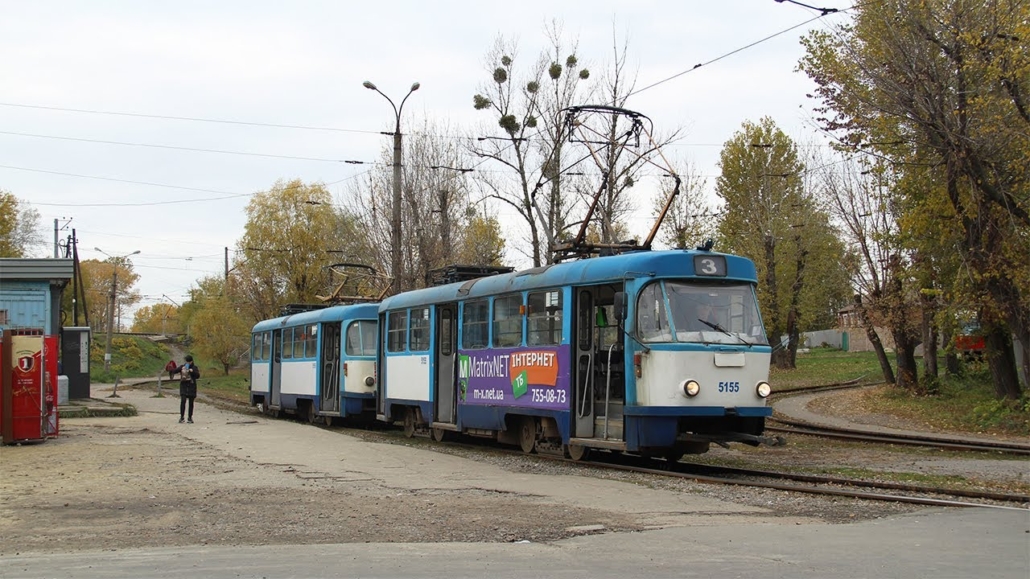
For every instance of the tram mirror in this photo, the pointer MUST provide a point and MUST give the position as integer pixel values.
(620, 306)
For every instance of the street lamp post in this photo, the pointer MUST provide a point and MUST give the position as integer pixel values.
(395, 232)
(110, 309)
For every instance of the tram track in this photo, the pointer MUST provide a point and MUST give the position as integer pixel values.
(917, 494)
(943, 443)
(815, 484)
(872, 435)
(825, 485)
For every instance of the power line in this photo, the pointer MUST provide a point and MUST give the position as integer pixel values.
(726, 55)
(225, 194)
(192, 149)
(193, 119)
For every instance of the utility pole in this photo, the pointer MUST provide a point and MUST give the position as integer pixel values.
(445, 225)
(115, 261)
(76, 276)
(110, 319)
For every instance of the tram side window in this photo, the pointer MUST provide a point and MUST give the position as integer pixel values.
(311, 341)
(297, 348)
(361, 338)
(300, 338)
(508, 321)
(287, 343)
(419, 332)
(544, 319)
(474, 324)
(397, 331)
(266, 346)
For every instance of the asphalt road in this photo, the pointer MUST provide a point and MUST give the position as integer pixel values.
(700, 537)
(980, 543)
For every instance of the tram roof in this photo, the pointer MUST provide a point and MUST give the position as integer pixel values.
(658, 264)
(330, 314)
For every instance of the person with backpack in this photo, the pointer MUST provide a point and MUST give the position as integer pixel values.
(188, 375)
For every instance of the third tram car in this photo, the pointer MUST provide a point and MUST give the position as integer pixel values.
(319, 364)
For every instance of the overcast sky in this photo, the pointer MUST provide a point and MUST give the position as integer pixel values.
(88, 92)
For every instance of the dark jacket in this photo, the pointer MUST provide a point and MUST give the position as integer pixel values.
(188, 374)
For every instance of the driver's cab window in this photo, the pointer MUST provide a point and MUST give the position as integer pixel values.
(652, 319)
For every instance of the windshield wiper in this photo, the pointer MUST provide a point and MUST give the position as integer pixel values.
(719, 328)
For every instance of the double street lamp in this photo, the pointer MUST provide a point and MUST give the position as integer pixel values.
(115, 260)
(395, 232)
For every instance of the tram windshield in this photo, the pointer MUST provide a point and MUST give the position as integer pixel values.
(674, 311)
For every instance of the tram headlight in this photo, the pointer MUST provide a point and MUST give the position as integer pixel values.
(370, 381)
(690, 388)
(763, 390)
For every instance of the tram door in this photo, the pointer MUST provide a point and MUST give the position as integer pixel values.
(330, 387)
(583, 376)
(381, 369)
(446, 344)
(277, 366)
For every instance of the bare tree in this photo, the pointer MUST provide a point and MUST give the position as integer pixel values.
(437, 206)
(691, 219)
(531, 144)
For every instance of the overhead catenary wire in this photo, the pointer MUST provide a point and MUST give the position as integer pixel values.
(230, 195)
(191, 149)
(823, 12)
(183, 118)
(224, 194)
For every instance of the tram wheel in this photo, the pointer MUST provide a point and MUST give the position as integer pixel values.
(327, 420)
(577, 452)
(440, 435)
(409, 422)
(310, 414)
(527, 434)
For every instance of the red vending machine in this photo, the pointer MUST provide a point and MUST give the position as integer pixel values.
(28, 393)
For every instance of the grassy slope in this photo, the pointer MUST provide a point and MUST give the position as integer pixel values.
(962, 403)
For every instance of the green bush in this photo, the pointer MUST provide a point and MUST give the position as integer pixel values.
(1007, 415)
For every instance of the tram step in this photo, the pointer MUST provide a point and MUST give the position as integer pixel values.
(596, 443)
(615, 428)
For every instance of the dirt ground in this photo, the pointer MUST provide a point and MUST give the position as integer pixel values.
(116, 483)
(109, 487)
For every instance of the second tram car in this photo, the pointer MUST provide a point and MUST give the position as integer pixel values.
(318, 364)
(658, 352)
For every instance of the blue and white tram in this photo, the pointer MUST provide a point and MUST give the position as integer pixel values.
(659, 353)
(318, 364)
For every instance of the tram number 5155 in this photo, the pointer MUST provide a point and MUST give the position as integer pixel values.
(729, 386)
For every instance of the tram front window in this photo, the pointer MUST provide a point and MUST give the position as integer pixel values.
(672, 311)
